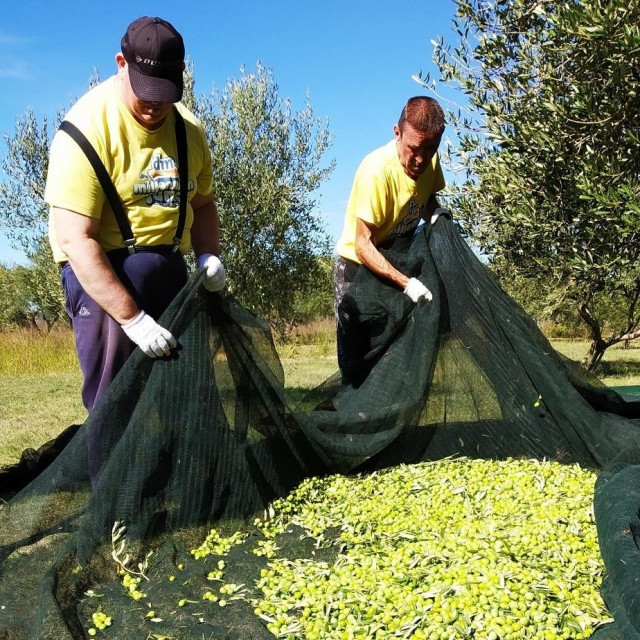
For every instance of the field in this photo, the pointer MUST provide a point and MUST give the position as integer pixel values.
(515, 568)
(40, 381)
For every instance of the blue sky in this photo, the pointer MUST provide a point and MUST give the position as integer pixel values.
(354, 58)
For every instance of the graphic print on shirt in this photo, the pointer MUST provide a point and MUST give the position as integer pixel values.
(409, 222)
(161, 182)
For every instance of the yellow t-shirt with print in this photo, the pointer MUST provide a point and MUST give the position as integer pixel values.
(141, 163)
(384, 196)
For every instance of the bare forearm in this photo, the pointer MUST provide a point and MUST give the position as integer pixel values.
(94, 272)
(376, 262)
(371, 258)
(205, 232)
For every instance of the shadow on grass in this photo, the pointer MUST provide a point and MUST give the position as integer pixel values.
(32, 462)
(618, 369)
(296, 394)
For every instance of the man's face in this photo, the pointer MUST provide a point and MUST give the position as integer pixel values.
(415, 149)
(149, 114)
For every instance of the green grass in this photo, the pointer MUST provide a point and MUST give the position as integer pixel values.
(40, 382)
(36, 408)
(30, 351)
(39, 389)
(619, 367)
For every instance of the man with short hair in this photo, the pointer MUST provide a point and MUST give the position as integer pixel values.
(394, 188)
(114, 289)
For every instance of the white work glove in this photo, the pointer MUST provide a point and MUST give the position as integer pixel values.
(417, 291)
(215, 276)
(153, 339)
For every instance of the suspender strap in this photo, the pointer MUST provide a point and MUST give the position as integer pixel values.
(109, 188)
(183, 172)
(105, 182)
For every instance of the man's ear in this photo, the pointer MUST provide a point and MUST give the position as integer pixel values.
(120, 61)
(396, 131)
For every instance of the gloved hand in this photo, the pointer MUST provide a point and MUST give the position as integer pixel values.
(215, 277)
(153, 339)
(417, 291)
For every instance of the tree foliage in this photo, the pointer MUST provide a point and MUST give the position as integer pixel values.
(14, 308)
(267, 163)
(550, 147)
(32, 295)
(23, 211)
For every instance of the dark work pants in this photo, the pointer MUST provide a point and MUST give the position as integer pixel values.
(352, 342)
(153, 278)
(349, 342)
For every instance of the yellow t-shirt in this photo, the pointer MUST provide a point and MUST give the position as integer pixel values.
(141, 163)
(384, 196)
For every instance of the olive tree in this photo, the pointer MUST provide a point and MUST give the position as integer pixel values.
(549, 149)
(14, 310)
(36, 294)
(23, 212)
(267, 164)
(30, 297)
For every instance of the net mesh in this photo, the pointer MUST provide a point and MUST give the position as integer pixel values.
(212, 436)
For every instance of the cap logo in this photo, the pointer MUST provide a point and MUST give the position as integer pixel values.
(158, 63)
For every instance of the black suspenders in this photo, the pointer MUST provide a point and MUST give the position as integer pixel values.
(110, 191)
(183, 174)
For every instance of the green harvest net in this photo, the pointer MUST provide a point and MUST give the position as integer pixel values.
(211, 437)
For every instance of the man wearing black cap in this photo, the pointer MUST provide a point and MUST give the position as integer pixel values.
(117, 281)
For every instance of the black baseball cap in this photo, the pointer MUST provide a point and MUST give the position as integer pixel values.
(154, 52)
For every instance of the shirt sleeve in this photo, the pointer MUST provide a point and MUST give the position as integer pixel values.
(369, 196)
(71, 180)
(438, 178)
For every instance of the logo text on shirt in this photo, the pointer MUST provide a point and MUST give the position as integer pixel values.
(161, 182)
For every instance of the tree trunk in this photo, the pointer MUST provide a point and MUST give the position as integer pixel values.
(594, 355)
(598, 345)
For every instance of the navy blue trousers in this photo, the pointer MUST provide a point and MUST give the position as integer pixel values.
(153, 278)
(351, 344)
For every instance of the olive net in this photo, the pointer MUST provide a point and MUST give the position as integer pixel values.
(213, 436)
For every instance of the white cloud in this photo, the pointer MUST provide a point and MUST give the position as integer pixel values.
(13, 67)
(10, 39)
(14, 70)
